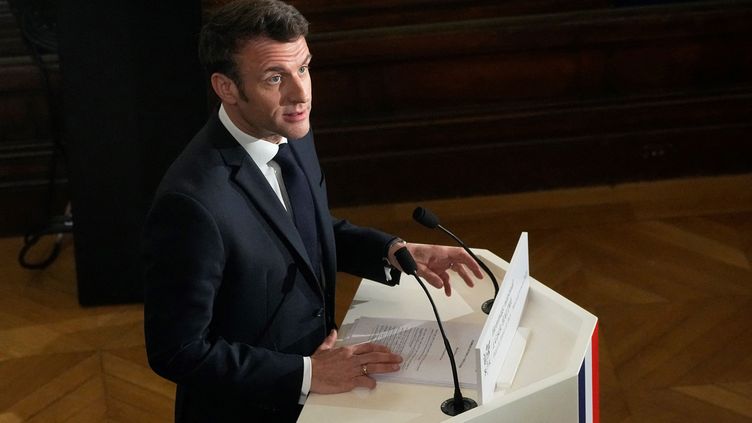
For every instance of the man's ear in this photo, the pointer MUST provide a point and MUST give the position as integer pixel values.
(225, 88)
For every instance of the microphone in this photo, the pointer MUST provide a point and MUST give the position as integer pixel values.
(426, 218)
(457, 404)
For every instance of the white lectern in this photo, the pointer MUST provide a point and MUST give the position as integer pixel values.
(557, 379)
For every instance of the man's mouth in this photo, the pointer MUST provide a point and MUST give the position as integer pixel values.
(296, 116)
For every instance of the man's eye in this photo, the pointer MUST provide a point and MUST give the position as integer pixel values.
(276, 79)
(303, 70)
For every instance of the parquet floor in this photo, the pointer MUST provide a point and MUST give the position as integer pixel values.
(666, 266)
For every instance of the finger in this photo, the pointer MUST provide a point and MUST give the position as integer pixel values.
(433, 279)
(447, 285)
(444, 276)
(375, 368)
(462, 271)
(332, 338)
(365, 382)
(439, 280)
(471, 264)
(476, 270)
(361, 370)
(459, 255)
(369, 347)
(328, 342)
(378, 357)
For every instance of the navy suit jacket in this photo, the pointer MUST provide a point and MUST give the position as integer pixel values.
(231, 301)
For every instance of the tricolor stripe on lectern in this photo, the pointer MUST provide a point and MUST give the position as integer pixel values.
(588, 383)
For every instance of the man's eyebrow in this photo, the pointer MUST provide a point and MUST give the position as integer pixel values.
(282, 70)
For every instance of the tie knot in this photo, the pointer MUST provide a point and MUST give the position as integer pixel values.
(284, 157)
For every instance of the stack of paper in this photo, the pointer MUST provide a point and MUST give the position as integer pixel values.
(422, 349)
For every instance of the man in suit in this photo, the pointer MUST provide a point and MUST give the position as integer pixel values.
(240, 249)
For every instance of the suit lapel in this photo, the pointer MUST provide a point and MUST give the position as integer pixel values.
(247, 175)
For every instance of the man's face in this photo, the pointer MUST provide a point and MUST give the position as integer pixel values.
(276, 89)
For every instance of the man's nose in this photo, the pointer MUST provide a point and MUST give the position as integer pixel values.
(299, 90)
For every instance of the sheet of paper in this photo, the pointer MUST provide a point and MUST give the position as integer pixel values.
(499, 330)
(421, 346)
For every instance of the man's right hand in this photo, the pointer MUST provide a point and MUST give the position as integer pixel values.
(335, 370)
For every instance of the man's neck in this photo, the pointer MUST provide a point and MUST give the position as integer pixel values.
(240, 124)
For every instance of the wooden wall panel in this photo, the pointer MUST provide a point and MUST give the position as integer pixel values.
(576, 56)
(535, 125)
(528, 166)
(592, 97)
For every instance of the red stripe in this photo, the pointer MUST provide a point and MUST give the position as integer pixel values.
(596, 390)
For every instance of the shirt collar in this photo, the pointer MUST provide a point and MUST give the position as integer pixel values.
(261, 151)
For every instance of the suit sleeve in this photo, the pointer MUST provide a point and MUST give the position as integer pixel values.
(184, 258)
(361, 250)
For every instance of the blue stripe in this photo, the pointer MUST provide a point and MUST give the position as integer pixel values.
(582, 388)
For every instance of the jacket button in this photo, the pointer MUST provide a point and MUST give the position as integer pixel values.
(318, 313)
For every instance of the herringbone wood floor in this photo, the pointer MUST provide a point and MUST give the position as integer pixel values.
(666, 266)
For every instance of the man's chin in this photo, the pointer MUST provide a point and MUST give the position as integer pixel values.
(297, 131)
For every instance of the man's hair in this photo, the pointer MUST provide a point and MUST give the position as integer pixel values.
(237, 22)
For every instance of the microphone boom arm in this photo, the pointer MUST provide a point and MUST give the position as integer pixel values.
(457, 394)
(457, 404)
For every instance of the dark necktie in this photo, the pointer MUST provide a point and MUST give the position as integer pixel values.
(301, 202)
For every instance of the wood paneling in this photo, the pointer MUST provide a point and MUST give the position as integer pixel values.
(531, 102)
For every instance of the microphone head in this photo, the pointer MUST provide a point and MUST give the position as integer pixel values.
(406, 261)
(425, 217)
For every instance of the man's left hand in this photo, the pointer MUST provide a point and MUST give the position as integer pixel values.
(435, 261)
